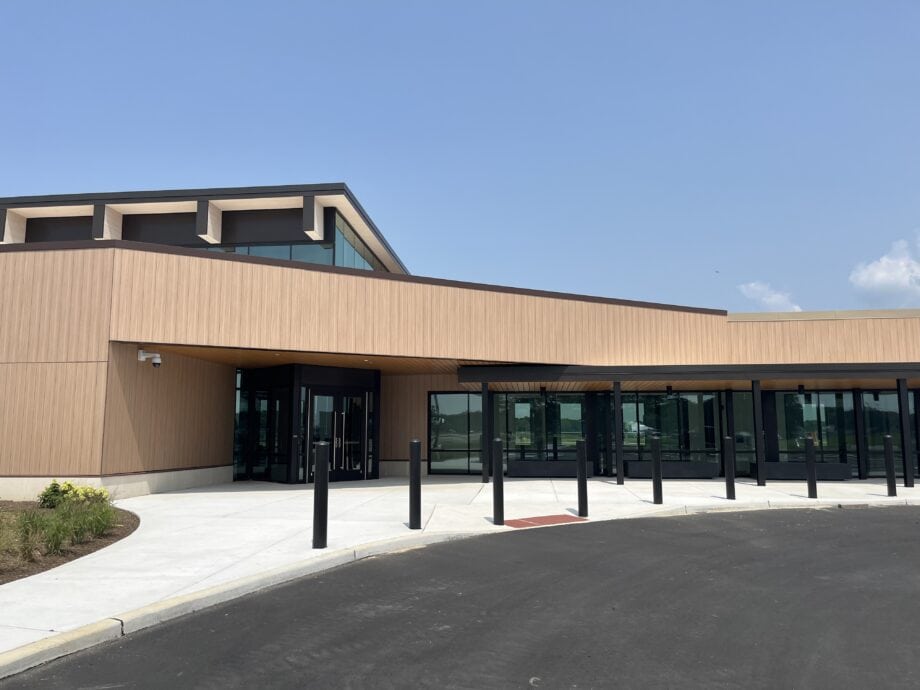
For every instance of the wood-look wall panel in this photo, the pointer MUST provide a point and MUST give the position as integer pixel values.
(165, 298)
(404, 411)
(845, 340)
(51, 418)
(179, 416)
(54, 305)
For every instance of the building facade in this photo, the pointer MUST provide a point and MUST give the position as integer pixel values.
(160, 340)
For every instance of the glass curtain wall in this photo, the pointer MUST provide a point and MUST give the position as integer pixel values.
(350, 251)
(307, 252)
(344, 249)
(881, 415)
(455, 433)
(537, 426)
(825, 417)
(743, 416)
(837, 429)
(687, 423)
(240, 426)
(540, 426)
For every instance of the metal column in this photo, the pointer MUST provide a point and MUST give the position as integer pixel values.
(618, 431)
(758, 434)
(486, 448)
(862, 444)
(907, 447)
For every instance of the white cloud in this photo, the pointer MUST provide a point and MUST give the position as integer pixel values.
(893, 279)
(768, 298)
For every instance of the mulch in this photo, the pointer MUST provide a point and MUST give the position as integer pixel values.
(13, 568)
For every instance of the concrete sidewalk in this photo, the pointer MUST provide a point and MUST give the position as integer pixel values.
(200, 540)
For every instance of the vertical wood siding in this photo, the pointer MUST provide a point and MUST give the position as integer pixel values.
(55, 305)
(179, 416)
(51, 418)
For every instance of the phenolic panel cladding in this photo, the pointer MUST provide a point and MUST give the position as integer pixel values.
(174, 299)
(404, 411)
(855, 340)
(54, 305)
(179, 416)
(51, 418)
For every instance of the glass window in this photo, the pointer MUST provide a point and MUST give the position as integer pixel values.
(312, 253)
(881, 414)
(526, 426)
(652, 419)
(791, 414)
(239, 431)
(455, 424)
(686, 423)
(838, 428)
(339, 248)
(350, 251)
(565, 424)
(349, 255)
(630, 422)
(700, 425)
(450, 424)
(271, 251)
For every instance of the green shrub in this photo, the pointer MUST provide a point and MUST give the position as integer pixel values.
(57, 530)
(101, 518)
(7, 537)
(76, 517)
(51, 495)
(30, 528)
(57, 492)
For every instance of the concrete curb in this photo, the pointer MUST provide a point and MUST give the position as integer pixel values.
(30, 655)
(63, 644)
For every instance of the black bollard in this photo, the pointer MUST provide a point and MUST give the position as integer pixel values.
(498, 483)
(656, 470)
(415, 484)
(581, 472)
(889, 467)
(320, 494)
(811, 472)
(729, 445)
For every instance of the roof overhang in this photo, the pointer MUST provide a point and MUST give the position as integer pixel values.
(695, 372)
(209, 203)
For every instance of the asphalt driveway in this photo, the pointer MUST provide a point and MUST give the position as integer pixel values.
(783, 598)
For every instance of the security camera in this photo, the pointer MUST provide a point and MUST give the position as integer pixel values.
(154, 357)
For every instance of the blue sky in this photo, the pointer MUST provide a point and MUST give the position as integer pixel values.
(728, 154)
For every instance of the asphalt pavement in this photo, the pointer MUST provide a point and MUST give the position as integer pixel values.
(784, 598)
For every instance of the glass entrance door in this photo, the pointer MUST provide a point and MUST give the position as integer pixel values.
(323, 418)
(269, 454)
(352, 454)
(341, 420)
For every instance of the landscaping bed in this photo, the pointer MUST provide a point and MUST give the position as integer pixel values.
(34, 539)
